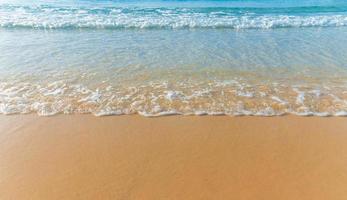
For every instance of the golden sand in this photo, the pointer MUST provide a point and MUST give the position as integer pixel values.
(177, 157)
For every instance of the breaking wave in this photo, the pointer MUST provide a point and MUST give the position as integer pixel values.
(50, 17)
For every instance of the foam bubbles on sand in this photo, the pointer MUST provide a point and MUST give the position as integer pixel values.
(163, 98)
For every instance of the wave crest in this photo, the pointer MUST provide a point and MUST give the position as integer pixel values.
(44, 17)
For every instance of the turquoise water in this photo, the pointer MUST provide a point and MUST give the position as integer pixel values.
(172, 14)
(173, 57)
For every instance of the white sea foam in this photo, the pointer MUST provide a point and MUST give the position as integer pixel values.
(172, 95)
(108, 112)
(245, 94)
(340, 113)
(93, 97)
(200, 99)
(154, 99)
(301, 96)
(279, 100)
(166, 113)
(178, 18)
(317, 93)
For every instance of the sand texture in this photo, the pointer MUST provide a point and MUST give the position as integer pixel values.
(176, 157)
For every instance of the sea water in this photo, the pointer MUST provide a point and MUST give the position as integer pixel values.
(260, 57)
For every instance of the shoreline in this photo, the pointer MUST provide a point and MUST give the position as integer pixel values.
(339, 114)
(172, 157)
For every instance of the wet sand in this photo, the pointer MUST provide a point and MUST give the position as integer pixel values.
(176, 157)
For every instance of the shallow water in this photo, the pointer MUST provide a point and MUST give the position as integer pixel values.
(172, 57)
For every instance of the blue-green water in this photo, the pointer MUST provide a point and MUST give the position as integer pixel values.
(173, 57)
(172, 14)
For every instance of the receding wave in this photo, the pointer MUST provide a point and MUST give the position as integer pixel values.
(228, 97)
(46, 17)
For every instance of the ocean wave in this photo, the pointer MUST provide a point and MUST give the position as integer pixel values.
(46, 17)
(160, 98)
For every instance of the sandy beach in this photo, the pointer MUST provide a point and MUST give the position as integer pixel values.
(176, 157)
(173, 100)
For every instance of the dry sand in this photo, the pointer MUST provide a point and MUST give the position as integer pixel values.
(177, 157)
